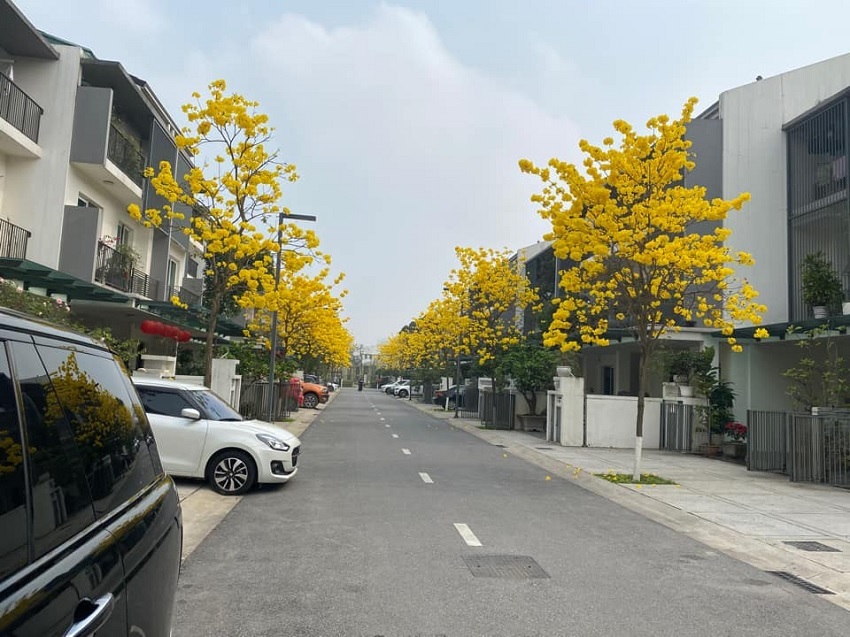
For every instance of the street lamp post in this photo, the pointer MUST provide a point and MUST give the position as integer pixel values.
(273, 335)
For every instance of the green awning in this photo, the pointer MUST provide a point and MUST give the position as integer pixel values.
(40, 276)
(193, 316)
(780, 330)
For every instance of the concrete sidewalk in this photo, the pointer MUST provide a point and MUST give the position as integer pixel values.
(203, 508)
(750, 516)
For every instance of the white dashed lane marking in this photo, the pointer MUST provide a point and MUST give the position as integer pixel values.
(426, 478)
(395, 435)
(406, 452)
(467, 535)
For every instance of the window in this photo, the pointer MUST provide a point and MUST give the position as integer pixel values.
(163, 402)
(124, 236)
(106, 423)
(85, 202)
(62, 506)
(172, 273)
(215, 407)
(13, 501)
(192, 268)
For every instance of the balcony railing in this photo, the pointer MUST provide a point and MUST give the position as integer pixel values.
(124, 153)
(19, 109)
(13, 240)
(186, 296)
(118, 270)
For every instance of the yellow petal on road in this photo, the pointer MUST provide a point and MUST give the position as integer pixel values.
(504, 455)
(548, 477)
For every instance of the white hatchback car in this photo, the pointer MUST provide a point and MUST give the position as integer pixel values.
(199, 435)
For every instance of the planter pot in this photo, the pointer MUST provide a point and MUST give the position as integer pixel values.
(710, 450)
(735, 449)
(680, 379)
(564, 371)
(820, 311)
(687, 391)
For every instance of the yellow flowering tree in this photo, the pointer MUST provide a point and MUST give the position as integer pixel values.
(625, 225)
(310, 326)
(235, 196)
(481, 301)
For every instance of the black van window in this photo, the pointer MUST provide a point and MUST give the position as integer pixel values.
(105, 419)
(62, 505)
(13, 501)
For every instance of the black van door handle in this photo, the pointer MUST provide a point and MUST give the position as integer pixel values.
(90, 616)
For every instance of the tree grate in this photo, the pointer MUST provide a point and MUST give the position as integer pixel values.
(817, 547)
(804, 584)
(504, 566)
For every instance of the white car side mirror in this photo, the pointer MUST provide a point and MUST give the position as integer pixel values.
(189, 412)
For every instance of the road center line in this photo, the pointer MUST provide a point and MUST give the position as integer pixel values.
(467, 535)
(426, 478)
(386, 425)
(395, 435)
(406, 452)
(382, 418)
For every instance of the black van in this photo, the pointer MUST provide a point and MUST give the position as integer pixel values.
(90, 525)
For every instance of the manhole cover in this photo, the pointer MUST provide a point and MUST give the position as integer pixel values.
(504, 566)
(813, 546)
(804, 584)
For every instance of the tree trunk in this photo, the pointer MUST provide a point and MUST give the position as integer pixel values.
(215, 304)
(641, 403)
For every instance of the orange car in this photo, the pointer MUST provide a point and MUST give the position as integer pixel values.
(313, 394)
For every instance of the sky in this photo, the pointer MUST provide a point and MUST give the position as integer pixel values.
(406, 119)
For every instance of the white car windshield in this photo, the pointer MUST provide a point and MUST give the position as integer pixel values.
(215, 407)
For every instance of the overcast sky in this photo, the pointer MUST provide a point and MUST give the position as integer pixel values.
(406, 119)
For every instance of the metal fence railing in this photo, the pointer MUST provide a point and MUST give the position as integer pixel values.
(767, 441)
(254, 401)
(808, 447)
(19, 109)
(497, 410)
(13, 240)
(677, 426)
(468, 405)
(125, 153)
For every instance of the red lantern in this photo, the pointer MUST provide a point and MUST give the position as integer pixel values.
(183, 336)
(148, 327)
(171, 331)
(160, 328)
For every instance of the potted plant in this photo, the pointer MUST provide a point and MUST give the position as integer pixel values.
(821, 284)
(737, 446)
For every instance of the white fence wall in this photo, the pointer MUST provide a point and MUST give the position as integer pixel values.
(611, 421)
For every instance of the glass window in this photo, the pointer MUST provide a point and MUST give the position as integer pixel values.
(215, 407)
(13, 501)
(106, 422)
(163, 402)
(61, 503)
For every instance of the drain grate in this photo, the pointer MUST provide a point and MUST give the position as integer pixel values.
(817, 547)
(799, 581)
(545, 448)
(505, 566)
(502, 446)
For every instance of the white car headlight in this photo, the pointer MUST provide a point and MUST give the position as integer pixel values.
(273, 442)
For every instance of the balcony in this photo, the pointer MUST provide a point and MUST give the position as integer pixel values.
(13, 241)
(186, 296)
(119, 271)
(125, 154)
(20, 120)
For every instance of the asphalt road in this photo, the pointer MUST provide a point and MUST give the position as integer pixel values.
(377, 536)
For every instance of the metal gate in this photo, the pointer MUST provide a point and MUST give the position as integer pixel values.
(497, 410)
(767, 441)
(820, 449)
(677, 427)
(254, 401)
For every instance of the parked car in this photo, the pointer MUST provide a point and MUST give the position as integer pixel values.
(201, 436)
(402, 390)
(313, 395)
(390, 389)
(440, 396)
(91, 532)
